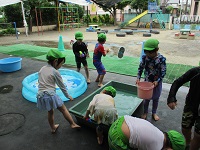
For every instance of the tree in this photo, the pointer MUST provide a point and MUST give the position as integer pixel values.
(111, 6)
(140, 6)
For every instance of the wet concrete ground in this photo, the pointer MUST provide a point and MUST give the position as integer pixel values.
(23, 126)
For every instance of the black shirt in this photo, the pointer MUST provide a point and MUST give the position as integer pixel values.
(80, 47)
(193, 96)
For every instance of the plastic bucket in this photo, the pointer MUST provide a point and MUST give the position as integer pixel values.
(145, 90)
(10, 64)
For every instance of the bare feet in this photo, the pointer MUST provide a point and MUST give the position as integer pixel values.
(100, 85)
(155, 117)
(55, 128)
(100, 140)
(144, 116)
(75, 126)
(88, 81)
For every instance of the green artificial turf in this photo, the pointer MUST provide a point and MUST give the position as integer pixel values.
(126, 65)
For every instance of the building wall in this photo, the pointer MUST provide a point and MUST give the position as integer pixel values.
(193, 7)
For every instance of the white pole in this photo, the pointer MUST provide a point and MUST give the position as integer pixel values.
(24, 19)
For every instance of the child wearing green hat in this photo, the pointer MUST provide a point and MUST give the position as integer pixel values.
(191, 111)
(47, 99)
(81, 52)
(154, 66)
(130, 132)
(103, 108)
(99, 51)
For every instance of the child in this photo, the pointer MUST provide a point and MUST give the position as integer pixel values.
(81, 52)
(98, 52)
(130, 132)
(191, 111)
(103, 108)
(47, 98)
(154, 66)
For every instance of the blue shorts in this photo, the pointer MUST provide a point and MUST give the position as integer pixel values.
(48, 100)
(100, 68)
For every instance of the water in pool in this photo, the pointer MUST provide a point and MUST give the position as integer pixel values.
(126, 103)
(69, 81)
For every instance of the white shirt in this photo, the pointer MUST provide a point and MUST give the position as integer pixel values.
(143, 134)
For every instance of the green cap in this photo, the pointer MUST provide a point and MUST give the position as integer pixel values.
(79, 35)
(177, 140)
(54, 54)
(101, 36)
(110, 89)
(151, 44)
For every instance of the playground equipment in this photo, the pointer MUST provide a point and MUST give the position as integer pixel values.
(137, 17)
(152, 9)
(70, 18)
(185, 34)
(93, 28)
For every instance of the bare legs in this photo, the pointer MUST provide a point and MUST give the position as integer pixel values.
(51, 121)
(67, 116)
(86, 72)
(194, 143)
(100, 80)
(99, 132)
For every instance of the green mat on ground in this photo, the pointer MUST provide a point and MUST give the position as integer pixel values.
(126, 65)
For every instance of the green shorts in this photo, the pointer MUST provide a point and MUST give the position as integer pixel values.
(116, 138)
(189, 119)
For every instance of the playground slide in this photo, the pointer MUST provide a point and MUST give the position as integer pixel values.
(137, 17)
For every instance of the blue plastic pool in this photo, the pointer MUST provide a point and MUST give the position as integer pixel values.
(75, 83)
(10, 64)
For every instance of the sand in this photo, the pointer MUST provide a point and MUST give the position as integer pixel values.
(178, 51)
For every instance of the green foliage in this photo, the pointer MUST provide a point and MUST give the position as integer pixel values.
(86, 18)
(139, 4)
(169, 9)
(13, 13)
(106, 18)
(94, 19)
(8, 31)
(101, 19)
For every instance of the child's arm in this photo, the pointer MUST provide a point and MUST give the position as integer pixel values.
(87, 114)
(162, 69)
(140, 69)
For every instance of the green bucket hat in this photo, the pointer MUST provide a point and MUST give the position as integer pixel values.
(79, 35)
(151, 44)
(101, 36)
(177, 140)
(111, 89)
(54, 54)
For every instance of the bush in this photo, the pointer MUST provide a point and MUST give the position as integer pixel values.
(8, 31)
(95, 19)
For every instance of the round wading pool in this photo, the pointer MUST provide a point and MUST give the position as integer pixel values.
(74, 81)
